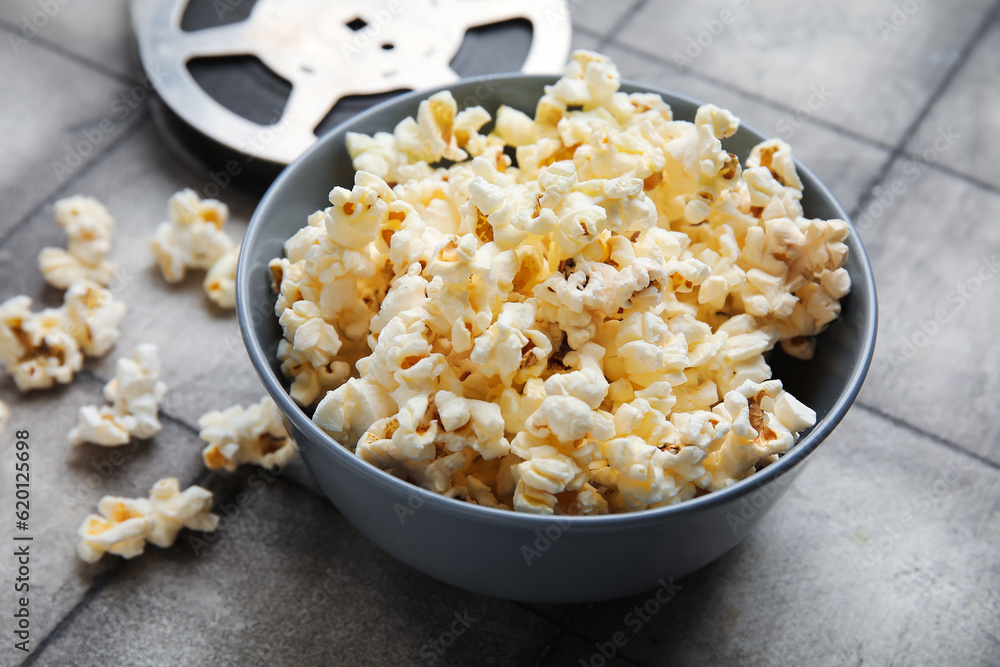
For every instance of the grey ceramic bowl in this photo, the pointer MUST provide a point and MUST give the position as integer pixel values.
(512, 555)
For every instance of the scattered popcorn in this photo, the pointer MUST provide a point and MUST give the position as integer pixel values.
(93, 316)
(88, 227)
(121, 529)
(583, 331)
(246, 435)
(47, 347)
(220, 281)
(124, 525)
(135, 394)
(193, 239)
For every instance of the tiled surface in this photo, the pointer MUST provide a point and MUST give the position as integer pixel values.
(968, 109)
(66, 483)
(883, 552)
(58, 117)
(599, 16)
(309, 591)
(785, 50)
(939, 309)
(96, 31)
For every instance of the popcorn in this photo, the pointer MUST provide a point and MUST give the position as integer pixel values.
(246, 435)
(4, 415)
(41, 349)
(173, 509)
(124, 525)
(583, 332)
(121, 529)
(135, 394)
(193, 236)
(34, 348)
(88, 227)
(92, 315)
(220, 281)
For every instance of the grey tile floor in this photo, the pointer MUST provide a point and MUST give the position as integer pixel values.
(885, 551)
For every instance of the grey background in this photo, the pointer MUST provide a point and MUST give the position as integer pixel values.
(883, 552)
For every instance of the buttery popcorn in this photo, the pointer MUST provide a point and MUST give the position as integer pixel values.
(88, 227)
(124, 525)
(135, 394)
(583, 330)
(47, 347)
(193, 239)
(246, 435)
(220, 281)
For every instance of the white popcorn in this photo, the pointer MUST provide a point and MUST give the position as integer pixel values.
(135, 394)
(92, 316)
(173, 509)
(193, 237)
(124, 525)
(121, 529)
(220, 281)
(100, 426)
(88, 228)
(246, 435)
(35, 348)
(583, 333)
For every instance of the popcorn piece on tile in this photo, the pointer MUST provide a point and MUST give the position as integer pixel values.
(220, 281)
(121, 528)
(135, 393)
(246, 435)
(193, 236)
(88, 228)
(35, 348)
(173, 509)
(92, 316)
(124, 525)
(101, 426)
(137, 390)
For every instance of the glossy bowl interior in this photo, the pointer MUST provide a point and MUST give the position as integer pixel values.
(513, 555)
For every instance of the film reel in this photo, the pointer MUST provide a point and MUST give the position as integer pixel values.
(327, 51)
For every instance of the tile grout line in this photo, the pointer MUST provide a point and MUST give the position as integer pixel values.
(618, 25)
(77, 58)
(936, 93)
(101, 582)
(955, 173)
(548, 649)
(567, 627)
(583, 636)
(63, 187)
(917, 430)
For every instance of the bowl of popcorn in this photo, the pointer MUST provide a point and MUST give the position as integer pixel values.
(554, 339)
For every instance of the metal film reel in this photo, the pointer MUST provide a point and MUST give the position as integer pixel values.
(327, 50)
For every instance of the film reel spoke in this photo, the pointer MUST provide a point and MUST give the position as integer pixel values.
(327, 50)
(234, 39)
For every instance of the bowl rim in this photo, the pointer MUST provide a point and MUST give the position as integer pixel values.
(450, 506)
